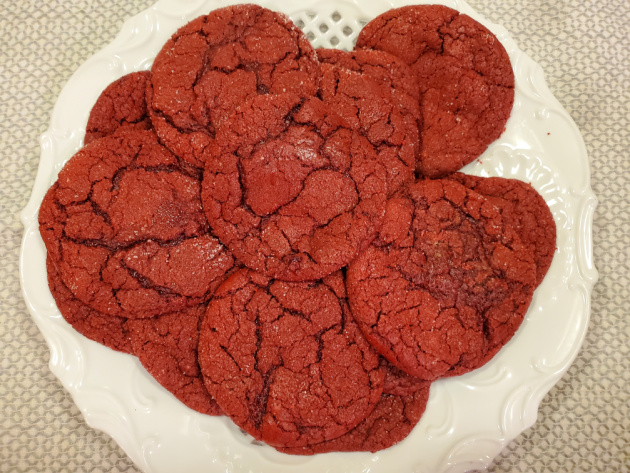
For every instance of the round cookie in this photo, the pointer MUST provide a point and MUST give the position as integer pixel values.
(125, 227)
(285, 361)
(291, 189)
(464, 76)
(401, 406)
(446, 283)
(218, 61)
(107, 330)
(384, 116)
(522, 208)
(166, 346)
(121, 105)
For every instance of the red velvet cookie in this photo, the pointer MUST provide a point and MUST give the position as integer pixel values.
(218, 61)
(399, 383)
(385, 68)
(121, 105)
(391, 421)
(446, 283)
(166, 346)
(385, 116)
(464, 76)
(124, 226)
(285, 362)
(291, 189)
(107, 330)
(522, 208)
(401, 406)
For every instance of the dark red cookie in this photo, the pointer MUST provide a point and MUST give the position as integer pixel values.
(166, 346)
(107, 330)
(385, 116)
(291, 190)
(446, 283)
(121, 105)
(522, 208)
(464, 75)
(124, 226)
(285, 362)
(216, 62)
(385, 68)
(401, 406)
(399, 383)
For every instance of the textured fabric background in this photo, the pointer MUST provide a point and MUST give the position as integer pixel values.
(583, 423)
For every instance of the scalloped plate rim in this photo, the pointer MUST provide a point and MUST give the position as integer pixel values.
(133, 447)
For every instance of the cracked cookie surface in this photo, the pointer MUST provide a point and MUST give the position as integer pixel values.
(385, 115)
(524, 209)
(285, 361)
(445, 284)
(385, 68)
(166, 345)
(218, 61)
(291, 189)
(397, 412)
(121, 105)
(125, 228)
(108, 330)
(464, 76)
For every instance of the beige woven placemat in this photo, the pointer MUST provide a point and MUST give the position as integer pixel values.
(583, 47)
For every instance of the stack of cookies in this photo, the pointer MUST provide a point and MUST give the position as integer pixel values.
(281, 234)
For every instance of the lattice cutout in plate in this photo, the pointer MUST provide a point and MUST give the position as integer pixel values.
(334, 25)
(162, 436)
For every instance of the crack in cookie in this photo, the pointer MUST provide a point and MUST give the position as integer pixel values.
(464, 78)
(291, 189)
(445, 284)
(124, 226)
(218, 61)
(289, 380)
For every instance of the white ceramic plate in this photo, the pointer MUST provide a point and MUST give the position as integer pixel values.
(469, 419)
